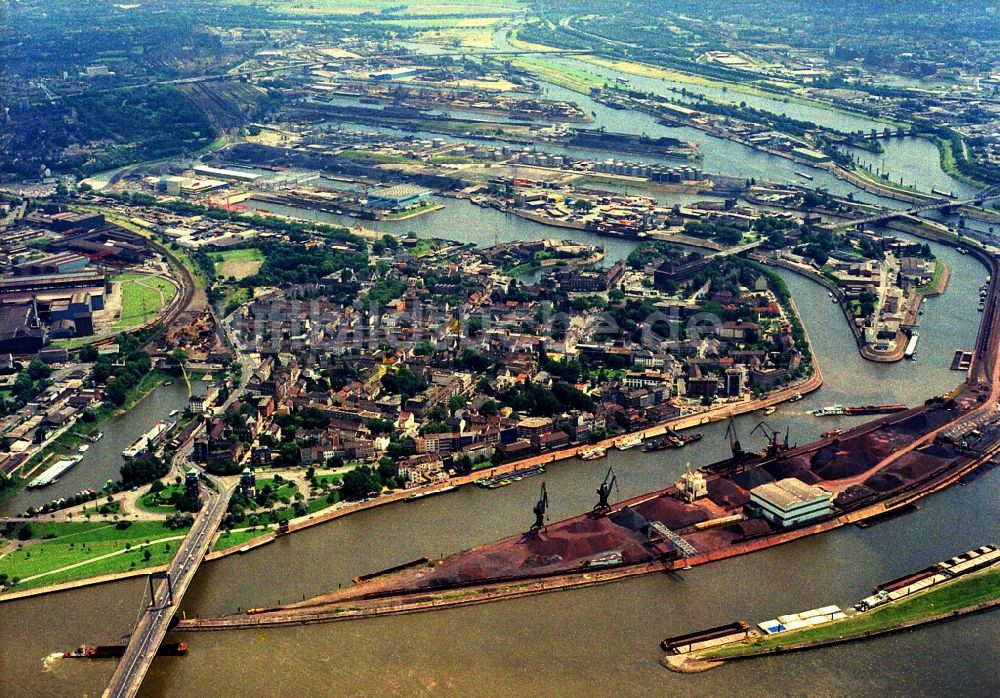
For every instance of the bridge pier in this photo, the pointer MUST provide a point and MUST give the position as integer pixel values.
(170, 588)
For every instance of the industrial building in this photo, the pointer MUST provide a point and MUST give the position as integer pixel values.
(396, 197)
(59, 263)
(20, 329)
(789, 502)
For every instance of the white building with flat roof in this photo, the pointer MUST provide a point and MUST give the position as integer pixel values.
(790, 502)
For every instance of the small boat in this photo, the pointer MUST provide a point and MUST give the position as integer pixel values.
(829, 411)
(833, 432)
(796, 397)
(430, 493)
(830, 293)
(805, 175)
(168, 382)
(83, 448)
(770, 410)
(593, 453)
(628, 442)
(245, 549)
(174, 413)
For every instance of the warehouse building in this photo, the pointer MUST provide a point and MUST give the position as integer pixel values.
(789, 502)
(397, 197)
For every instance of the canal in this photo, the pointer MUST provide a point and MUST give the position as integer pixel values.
(102, 461)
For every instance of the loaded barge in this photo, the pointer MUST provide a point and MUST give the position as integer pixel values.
(166, 649)
(742, 641)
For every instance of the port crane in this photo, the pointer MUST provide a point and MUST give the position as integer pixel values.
(734, 441)
(774, 444)
(541, 509)
(604, 491)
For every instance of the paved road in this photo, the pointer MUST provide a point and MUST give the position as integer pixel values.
(152, 627)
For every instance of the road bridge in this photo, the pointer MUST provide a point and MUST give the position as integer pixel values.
(155, 620)
(936, 205)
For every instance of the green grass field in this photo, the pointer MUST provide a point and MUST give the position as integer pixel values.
(143, 297)
(236, 539)
(79, 542)
(237, 263)
(151, 502)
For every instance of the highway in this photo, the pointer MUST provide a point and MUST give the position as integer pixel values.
(152, 626)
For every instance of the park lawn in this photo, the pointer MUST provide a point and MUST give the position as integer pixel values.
(236, 539)
(143, 296)
(90, 531)
(78, 542)
(281, 490)
(238, 264)
(151, 502)
(127, 561)
(329, 480)
(961, 593)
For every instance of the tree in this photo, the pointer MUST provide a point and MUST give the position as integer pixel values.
(88, 353)
(360, 483)
(38, 370)
(457, 402)
(179, 356)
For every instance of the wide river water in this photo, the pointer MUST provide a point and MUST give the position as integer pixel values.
(580, 642)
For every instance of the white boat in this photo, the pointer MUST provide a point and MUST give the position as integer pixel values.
(796, 397)
(911, 347)
(54, 472)
(83, 448)
(148, 440)
(627, 442)
(829, 411)
(770, 410)
(593, 453)
(431, 493)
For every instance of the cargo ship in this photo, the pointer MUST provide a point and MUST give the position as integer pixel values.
(595, 453)
(54, 472)
(911, 347)
(627, 442)
(672, 440)
(874, 409)
(148, 440)
(829, 411)
(167, 649)
(494, 481)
